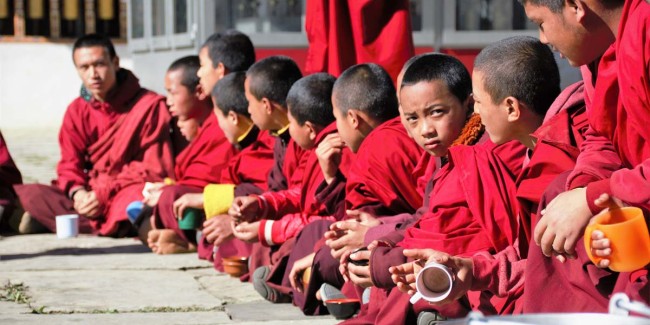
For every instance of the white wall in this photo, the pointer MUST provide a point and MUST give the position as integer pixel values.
(38, 81)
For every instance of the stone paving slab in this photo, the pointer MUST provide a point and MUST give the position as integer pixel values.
(226, 288)
(115, 290)
(12, 308)
(35, 152)
(264, 310)
(47, 252)
(148, 319)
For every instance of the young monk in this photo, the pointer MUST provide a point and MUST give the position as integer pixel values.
(284, 214)
(198, 165)
(9, 176)
(267, 84)
(435, 100)
(248, 169)
(114, 138)
(365, 106)
(614, 158)
(513, 81)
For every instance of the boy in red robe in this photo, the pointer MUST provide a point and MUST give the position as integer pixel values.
(613, 160)
(114, 138)
(9, 176)
(199, 164)
(436, 103)
(502, 77)
(380, 182)
(284, 214)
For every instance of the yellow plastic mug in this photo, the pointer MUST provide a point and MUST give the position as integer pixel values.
(628, 234)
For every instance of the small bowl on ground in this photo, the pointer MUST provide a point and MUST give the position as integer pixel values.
(343, 308)
(236, 266)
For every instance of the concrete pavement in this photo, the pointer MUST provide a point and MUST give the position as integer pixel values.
(115, 281)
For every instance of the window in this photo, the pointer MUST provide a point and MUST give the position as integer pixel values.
(157, 18)
(180, 16)
(491, 15)
(6, 17)
(72, 18)
(107, 19)
(37, 18)
(137, 19)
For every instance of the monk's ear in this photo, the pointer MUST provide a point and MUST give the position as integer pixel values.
(576, 8)
(198, 92)
(116, 62)
(313, 132)
(232, 117)
(221, 70)
(268, 105)
(513, 108)
(353, 118)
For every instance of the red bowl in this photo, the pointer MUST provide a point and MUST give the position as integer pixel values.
(236, 266)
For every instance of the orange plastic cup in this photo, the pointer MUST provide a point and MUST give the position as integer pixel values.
(628, 234)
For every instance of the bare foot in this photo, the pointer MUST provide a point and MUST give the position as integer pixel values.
(170, 243)
(152, 239)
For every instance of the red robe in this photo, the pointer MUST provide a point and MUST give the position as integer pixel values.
(614, 159)
(9, 176)
(472, 208)
(382, 182)
(111, 148)
(344, 33)
(287, 212)
(556, 151)
(200, 164)
(247, 170)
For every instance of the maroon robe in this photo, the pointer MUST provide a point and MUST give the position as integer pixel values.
(472, 208)
(200, 164)
(9, 176)
(381, 182)
(558, 139)
(111, 148)
(614, 159)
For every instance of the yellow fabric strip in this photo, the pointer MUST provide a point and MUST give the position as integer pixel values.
(217, 199)
(280, 131)
(243, 136)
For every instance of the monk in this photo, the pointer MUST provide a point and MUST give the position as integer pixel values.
(375, 186)
(267, 84)
(199, 164)
(613, 159)
(503, 74)
(248, 169)
(438, 108)
(9, 176)
(284, 214)
(114, 138)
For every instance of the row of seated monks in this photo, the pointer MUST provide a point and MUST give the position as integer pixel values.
(360, 179)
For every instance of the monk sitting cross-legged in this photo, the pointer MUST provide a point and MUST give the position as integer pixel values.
(114, 138)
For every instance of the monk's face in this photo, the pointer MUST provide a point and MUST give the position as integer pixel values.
(345, 125)
(96, 69)
(189, 128)
(227, 123)
(434, 116)
(493, 115)
(182, 101)
(207, 73)
(301, 134)
(575, 32)
(257, 108)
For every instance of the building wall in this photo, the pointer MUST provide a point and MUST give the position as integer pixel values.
(38, 81)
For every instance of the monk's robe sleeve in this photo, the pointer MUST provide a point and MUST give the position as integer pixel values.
(73, 144)
(381, 259)
(276, 232)
(9, 173)
(277, 204)
(156, 154)
(501, 273)
(597, 160)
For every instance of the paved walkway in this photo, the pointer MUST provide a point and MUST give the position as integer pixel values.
(95, 280)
